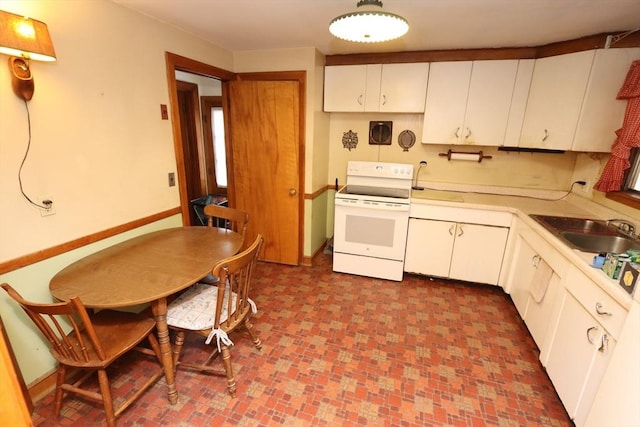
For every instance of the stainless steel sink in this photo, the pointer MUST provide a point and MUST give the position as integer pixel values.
(599, 242)
(588, 235)
(577, 225)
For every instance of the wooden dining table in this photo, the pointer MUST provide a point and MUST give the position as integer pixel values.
(147, 269)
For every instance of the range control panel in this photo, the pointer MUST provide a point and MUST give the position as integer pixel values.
(379, 169)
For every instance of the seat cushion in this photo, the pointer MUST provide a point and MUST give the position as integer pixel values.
(195, 309)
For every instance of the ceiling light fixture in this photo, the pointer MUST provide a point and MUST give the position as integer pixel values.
(369, 24)
(24, 39)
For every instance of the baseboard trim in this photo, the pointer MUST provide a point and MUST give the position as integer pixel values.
(44, 385)
(308, 261)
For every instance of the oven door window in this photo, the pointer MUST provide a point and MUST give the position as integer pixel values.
(371, 232)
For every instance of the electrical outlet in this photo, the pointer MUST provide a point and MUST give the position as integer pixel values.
(172, 179)
(50, 207)
(586, 188)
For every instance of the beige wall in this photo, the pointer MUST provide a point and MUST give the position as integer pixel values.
(524, 170)
(589, 167)
(99, 148)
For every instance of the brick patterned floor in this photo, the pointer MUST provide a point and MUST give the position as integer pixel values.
(343, 350)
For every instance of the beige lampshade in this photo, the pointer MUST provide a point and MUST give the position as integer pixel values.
(25, 37)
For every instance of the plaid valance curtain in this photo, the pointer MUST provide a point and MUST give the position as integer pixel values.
(628, 136)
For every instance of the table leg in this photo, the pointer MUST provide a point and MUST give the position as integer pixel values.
(159, 309)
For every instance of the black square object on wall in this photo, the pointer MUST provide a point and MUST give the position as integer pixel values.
(380, 133)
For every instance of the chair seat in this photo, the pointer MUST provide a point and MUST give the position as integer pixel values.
(119, 332)
(195, 309)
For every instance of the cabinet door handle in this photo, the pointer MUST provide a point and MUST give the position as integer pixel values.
(457, 132)
(599, 307)
(604, 344)
(384, 99)
(360, 100)
(591, 329)
(451, 229)
(535, 260)
(546, 135)
(460, 230)
(468, 133)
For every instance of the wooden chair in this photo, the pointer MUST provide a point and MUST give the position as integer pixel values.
(92, 344)
(215, 310)
(230, 219)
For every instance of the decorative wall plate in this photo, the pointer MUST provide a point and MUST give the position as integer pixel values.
(349, 139)
(406, 139)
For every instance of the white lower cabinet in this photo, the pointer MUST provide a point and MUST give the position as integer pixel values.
(582, 341)
(620, 386)
(461, 251)
(534, 282)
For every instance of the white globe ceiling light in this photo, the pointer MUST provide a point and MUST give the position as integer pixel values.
(369, 24)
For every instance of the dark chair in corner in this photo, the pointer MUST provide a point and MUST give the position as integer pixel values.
(215, 310)
(92, 344)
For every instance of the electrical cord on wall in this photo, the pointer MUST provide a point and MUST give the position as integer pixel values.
(516, 195)
(26, 153)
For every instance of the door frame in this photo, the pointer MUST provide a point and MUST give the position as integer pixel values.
(180, 63)
(175, 63)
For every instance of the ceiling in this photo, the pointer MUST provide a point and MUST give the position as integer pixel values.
(240, 25)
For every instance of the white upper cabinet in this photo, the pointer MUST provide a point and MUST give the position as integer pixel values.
(555, 100)
(444, 109)
(388, 88)
(345, 87)
(469, 102)
(602, 114)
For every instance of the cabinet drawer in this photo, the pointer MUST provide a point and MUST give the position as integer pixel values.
(464, 215)
(596, 302)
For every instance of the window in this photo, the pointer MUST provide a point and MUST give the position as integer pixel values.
(214, 145)
(217, 124)
(630, 193)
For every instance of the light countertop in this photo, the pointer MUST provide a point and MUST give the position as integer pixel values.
(570, 205)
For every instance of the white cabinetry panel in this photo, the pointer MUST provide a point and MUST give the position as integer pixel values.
(602, 114)
(446, 102)
(582, 342)
(403, 88)
(429, 247)
(555, 99)
(469, 102)
(478, 252)
(389, 88)
(345, 87)
(469, 252)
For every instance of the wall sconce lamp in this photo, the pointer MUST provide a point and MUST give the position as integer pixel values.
(24, 39)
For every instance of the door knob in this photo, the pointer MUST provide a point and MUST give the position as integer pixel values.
(292, 191)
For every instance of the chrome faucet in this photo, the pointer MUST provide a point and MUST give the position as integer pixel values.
(623, 226)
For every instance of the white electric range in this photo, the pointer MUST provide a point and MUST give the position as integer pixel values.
(371, 220)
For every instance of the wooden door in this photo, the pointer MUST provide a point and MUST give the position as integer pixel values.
(264, 153)
(189, 127)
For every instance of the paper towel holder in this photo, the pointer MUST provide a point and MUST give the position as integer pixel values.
(462, 155)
